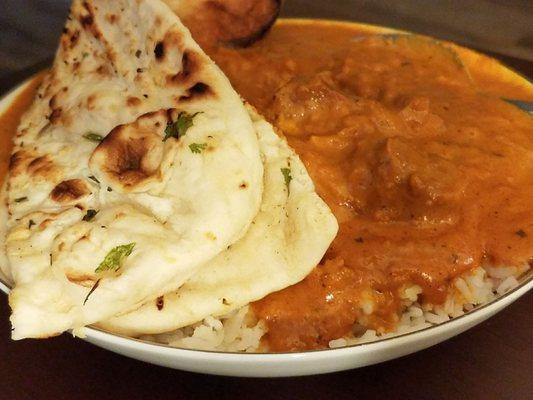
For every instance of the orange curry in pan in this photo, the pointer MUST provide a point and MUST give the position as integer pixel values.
(428, 173)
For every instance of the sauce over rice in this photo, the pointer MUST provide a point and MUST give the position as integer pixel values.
(428, 173)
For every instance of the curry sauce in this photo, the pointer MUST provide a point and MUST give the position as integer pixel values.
(429, 174)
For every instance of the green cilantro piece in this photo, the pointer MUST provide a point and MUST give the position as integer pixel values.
(21, 199)
(287, 175)
(113, 260)
(197, 147)
(93, 137)
(179, 127)
(93, 178)
(90, 215)
(91, 291)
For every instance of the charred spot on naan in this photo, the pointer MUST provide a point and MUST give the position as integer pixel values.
(104, 70)
(160, 302)
(90, 102)
(69, 191)
(191, 65)
(87, 21)
(198, 91)
(42, 166)
(48, 85)
(69, 39)
(169, 47)
(30, 163)
(55, 115)
(55, 110)
(130, 157)
(170, 52)
(159, 51)
(19, 161)
(87, 17)
(112, 18)
(133, 101)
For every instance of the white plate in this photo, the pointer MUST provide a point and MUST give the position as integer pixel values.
(292, 364)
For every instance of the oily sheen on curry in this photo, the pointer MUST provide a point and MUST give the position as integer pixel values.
(428, 173)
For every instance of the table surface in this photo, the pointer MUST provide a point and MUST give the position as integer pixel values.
(491, 361)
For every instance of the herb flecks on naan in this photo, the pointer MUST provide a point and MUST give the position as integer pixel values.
(286, 240)
(104, 158)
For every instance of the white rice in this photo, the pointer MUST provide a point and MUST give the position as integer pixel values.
(232, 332)
(240, 332)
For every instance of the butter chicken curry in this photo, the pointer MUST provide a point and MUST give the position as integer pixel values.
(428, 174)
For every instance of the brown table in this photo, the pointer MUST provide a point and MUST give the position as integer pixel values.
(492, 361)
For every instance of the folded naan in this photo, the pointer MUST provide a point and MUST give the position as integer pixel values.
(136, 164)
(5, 270)
(286, 240)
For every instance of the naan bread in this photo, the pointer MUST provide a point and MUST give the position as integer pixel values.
(128, 71)
(5, 271)
(286, 240)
